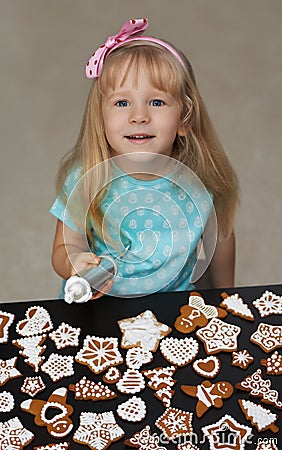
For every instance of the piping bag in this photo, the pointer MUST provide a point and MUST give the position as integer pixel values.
(81, 287)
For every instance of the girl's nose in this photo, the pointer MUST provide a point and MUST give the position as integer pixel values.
(139, 115)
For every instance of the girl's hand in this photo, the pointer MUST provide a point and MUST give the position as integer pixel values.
(86, 260)
(83, 260)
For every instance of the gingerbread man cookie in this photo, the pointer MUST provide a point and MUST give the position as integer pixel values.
(208, 394)
(196, 314)
(60, 424)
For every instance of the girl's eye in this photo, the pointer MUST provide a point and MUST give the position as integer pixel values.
(122, 103)
(157, 102)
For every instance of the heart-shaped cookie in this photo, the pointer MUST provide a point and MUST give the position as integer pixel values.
(38, 321)
(208, 367)
(179, 352)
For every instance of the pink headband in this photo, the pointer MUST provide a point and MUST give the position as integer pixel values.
(126, 34)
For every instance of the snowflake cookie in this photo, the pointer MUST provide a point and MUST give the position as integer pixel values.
(258, 387)
(6, 320)
(219, 336)
(262, 418)
(269, 303)
(242, 358)
(13, 435)
(236, 306)
(98, 430)
(89, 390)
(179, 352)
(273, 364)
(8, 370)
(132, 410)
(33, 386)
(208, 394)
(99, 353)
(7, 401)
(38, 321)
(60, 423)
(58, 366)
(208, 367)
(219, 434)
(267, 337)
(175, 423)
(65, 336)
(143, 330)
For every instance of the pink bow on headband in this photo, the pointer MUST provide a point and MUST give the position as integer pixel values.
(130, 28)
(126, 34)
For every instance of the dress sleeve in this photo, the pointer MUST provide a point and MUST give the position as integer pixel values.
(67, 212)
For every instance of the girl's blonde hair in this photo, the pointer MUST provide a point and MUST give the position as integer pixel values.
(199, 149)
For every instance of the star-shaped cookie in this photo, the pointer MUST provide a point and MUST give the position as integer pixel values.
(219, 433)
(143, 330)
(8, 370)
(98, 430)
(14, 435)
(219, 336)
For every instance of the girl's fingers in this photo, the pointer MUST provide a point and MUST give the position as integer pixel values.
(106, 288)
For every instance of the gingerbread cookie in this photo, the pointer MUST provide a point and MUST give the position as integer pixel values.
(258, 387)
(187, 446)
(58, 366)
(7, 401)
(112, 375)
(273, 364)
(6, 320)
(61, 446)
(99, 353)
(136, 357)
(242, 358)
(160, 377)
(60, 424)
(236, 306)
(143, 330)
(144, 440)
(38, 321)
(267, 445)
(208, 394)
(165, 395)
(132, 410)
(227, 434)
(175, 423)
(260, 417)
(13, 435)
(208, 367)
(31, 349)
(98, 430)
(33, 386)
(8, 370)
(179, 352)
(219, 336)
(196, 314)
(86, 389)
(269, 303)
(267, 337)
(65, 336)
(131, 382)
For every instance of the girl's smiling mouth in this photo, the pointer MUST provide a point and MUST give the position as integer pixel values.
(139, 137)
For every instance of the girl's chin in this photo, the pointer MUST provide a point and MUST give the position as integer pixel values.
(147, 163)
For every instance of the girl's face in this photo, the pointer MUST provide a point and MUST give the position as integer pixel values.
(140, 118)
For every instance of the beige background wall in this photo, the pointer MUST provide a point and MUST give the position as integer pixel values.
(235, 48)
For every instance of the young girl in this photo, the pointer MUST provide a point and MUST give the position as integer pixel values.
(146, 174)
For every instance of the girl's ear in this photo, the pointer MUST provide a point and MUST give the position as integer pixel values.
(182, 130)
